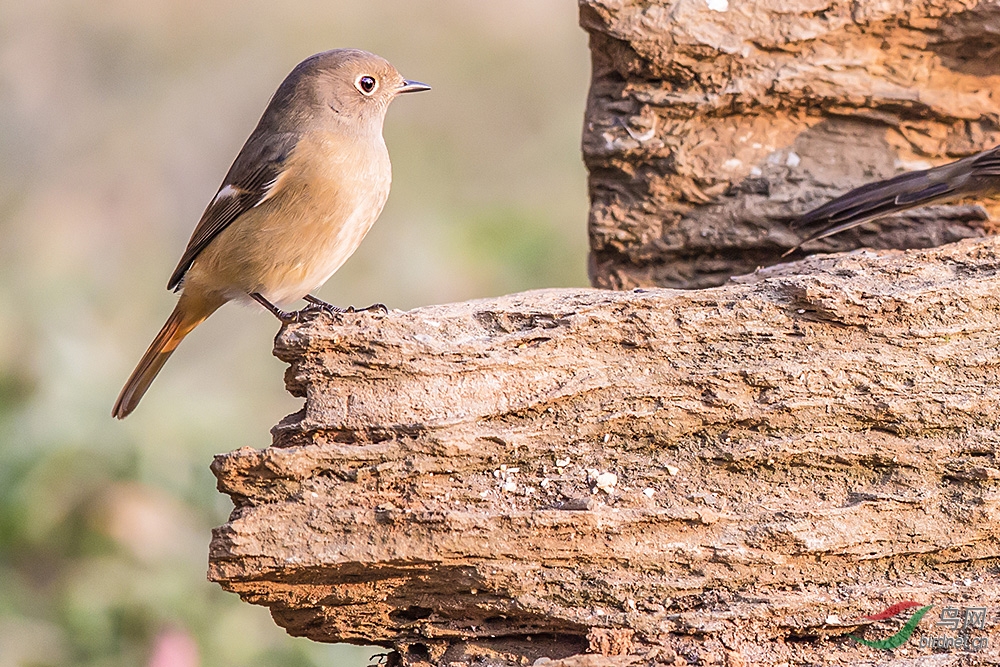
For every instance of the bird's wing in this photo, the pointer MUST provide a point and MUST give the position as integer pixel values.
(253, 178)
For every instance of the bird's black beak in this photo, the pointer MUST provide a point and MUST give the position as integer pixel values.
(412, 87)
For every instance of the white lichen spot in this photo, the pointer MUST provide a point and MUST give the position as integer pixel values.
(649, 492)
(641, 137)
(732, 163)
(793, 159)
(912, 165)
(609, 141)
(673, 470)
(718, 5)
(506, 476)
(606, 482)
(562, 463)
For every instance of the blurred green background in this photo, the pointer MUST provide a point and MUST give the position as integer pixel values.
(118, 120)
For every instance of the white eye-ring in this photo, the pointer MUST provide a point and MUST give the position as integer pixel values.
(366, 83)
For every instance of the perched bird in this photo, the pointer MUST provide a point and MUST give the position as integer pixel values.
(299, 198)
(975, 175)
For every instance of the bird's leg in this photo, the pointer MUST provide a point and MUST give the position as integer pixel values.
(285, 317)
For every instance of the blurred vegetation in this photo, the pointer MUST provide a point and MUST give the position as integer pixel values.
(118, 120)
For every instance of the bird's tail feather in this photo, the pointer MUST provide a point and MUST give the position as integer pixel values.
(869, 202)
(188, 314)
(906, 191)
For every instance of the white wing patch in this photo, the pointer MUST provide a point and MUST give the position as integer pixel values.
(270, 189)
(226, 192)
(231, 191)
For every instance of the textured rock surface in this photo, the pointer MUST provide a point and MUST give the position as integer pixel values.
(712, 123)
(727, 476)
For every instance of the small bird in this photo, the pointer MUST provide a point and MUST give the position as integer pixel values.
(975, 175)
(301, 195)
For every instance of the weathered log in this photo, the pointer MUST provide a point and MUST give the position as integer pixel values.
(711, 124)
(734, 475)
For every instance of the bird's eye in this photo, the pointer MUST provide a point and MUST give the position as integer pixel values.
(366, 84)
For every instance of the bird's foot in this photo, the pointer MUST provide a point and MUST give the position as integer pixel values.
(316, 304)
(319, 304)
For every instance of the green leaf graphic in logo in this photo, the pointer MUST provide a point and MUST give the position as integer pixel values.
(901, 636)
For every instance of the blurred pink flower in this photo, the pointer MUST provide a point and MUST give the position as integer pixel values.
(174, 648)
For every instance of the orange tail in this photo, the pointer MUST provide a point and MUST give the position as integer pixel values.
(188, 314)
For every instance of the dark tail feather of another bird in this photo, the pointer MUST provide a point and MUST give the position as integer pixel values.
(910, 190)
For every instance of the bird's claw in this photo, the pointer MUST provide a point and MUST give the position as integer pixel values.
(380, 307)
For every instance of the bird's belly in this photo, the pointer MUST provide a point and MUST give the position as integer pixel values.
(285, 248)
(304, 259)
